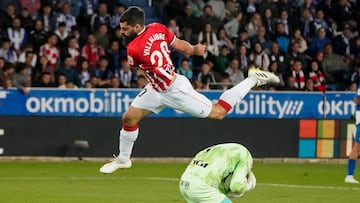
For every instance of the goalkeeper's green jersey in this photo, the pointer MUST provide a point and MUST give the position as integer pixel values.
(214, 164)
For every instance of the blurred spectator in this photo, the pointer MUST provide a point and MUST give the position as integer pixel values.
(319, 22)
(71, 49)
(290, 84)
(206, 76)
(102, 36)
(309, 5)
(61, 81)
(309, 85)
(27, 21)
(2, 73)
(62, 35)
(188, 23)
(94, 80)
(222, 60)
(197, 7)
(355, 49)
(38, 35)
(114, 55)
(141, 81)
(284, 19)
(273, 67)
(115, 19)
(84, 71)
(125, 75)
(218, 8)
(224, 40)
(210, 37)
(345, 12)
(352, 87)
(225, 82)
(259, 57)
(17, 35)
(9, 70)
(270, 5)
(304, 25)
(66, 17)
(68, 69)
(335, 68)
(41, 67)
(45, 81)
(261, 38)
(5, 3)
(29, 58)
(318, 42)
(298, 73)
(103, 72)
(253, 25)
(88, 85)
(7, 52)
(185, 69)
(342, 41)
(355, 76)
(21, 78)
(234, 25)
(9, 15)
(295, 53)
(101, 17)
(298, 38)
(174, 28)
(87, 9)
(234, 72)
(243, 40)
(243, 59)
(281, 37)
(48, 18)
(115, 83)
(269, 22)
(50, 50)
(92, 51)
(280, 57)
(209, 18)
(317, 76)
(251, 7)
(233, 7)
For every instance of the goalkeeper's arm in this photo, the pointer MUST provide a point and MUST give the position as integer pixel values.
(243, 180)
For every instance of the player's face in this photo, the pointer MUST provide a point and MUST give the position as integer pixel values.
(127, 32)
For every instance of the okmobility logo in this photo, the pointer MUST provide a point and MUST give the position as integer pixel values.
(114, 102)
(255, 105)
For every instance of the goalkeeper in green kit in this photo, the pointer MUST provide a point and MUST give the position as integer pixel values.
(217, 172)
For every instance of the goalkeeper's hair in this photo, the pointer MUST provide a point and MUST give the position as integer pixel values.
(133, 15)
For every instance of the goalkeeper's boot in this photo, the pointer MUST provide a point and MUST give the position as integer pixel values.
(351, 179)
(115, 165)
(263, 77)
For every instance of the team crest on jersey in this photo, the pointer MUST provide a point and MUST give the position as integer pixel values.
(130, 60)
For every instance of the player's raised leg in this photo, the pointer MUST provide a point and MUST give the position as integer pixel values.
(230, 97)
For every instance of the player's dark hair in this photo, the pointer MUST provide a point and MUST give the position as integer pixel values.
(133, 15)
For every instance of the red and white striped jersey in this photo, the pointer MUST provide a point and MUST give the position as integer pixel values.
(150, 51)
(51, 52)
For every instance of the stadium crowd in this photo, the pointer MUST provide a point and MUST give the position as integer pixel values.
(312, 45)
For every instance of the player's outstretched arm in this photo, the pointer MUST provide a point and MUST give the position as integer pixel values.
(187, 49)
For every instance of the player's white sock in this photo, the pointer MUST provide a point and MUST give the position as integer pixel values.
(126, 143)
(232, 96)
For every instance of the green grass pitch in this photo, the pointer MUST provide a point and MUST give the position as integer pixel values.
(33, 181)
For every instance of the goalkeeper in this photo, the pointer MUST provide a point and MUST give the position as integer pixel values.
(217, 172)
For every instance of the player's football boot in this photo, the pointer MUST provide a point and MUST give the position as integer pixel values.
(114, 165)
(264, 77)
(351, 179)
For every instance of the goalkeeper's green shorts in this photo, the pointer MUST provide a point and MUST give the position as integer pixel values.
(193, 189)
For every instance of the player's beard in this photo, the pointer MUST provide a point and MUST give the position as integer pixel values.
(128, 39)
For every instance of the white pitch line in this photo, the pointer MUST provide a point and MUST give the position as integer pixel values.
(112, 178)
